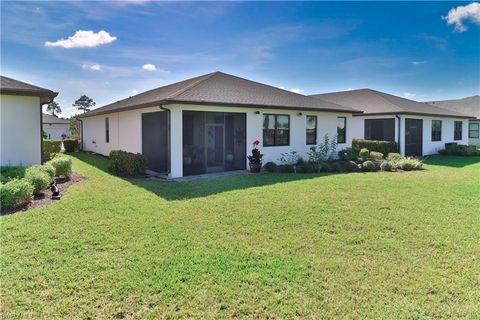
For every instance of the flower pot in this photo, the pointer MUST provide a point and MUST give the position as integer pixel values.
(255, 167)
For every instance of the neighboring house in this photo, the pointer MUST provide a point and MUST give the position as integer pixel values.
(55, 127)
(469, 106)
(419, 128)
(208, 123)
(21, 121)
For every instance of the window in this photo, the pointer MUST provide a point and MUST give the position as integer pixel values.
(436, 130)
(311, 129)
(457, 133)
(276, 130)
(473, 130)
(107, 130)
(380, 129)
(341, 129)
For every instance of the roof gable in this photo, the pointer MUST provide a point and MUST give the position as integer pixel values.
(469, 105)
(15, 87)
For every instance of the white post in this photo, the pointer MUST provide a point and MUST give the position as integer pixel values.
(176, 143)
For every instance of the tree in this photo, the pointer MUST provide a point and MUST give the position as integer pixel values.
(53, 107)
(84, 103)
(74, 127)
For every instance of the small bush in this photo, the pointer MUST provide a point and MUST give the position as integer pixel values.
(14, 192)
(409, 164)
(339, 166)
(38, 178)
(384, 147)
(51, 148)
(348, 154)
(70, 145)
(270, 166)
(376, 155)
(395, 157)
(460, 150)
(364, 154)
(351, 166)
(305, 167)
(127, 163)
(284, 168)
(47, 168)
(9, 173)
(326, 167)
(369, 166)
(63, 166)
(386, 166)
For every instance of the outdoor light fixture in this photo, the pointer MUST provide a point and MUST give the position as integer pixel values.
(299, 113)
(257, 112)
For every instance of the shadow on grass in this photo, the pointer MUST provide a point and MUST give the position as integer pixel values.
(451, 161)
(170, 190)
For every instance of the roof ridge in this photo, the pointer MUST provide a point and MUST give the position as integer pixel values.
(202, 79)
(379, 94)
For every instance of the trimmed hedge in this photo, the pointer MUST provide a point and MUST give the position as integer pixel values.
(460, 150)
(9, 173)
(384, 147)
(47, 168)
(70, 145)
(127, 163)
(15, 192)
(63, 166)
(51, 148)
(38, 178)
(270, 166)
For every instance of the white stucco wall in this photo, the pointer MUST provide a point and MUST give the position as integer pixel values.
(429, 146)
(126, 131)
(474, 141)
(20, 130)
(55, 130)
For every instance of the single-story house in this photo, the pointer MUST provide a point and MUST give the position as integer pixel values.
(55, 127)
(208, 123)
(21, 121)
(469, 106)
(419, 128)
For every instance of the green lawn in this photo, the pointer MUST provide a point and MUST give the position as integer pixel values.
(358, 245)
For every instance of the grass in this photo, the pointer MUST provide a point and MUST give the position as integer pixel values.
(359, 245)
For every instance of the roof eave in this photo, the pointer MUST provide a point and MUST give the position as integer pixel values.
(45, 96)
(414, 113)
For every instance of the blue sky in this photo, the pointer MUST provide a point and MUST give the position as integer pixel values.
(404, 48)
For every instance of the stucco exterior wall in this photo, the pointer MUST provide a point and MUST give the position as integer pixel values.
(55, 130)
(126, 131)
(20, 130)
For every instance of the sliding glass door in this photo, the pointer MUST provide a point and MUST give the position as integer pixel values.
(213, 142)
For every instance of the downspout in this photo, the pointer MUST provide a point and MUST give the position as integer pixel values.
(81, 131)
(168, 138)
(41, 132)
(399, 124)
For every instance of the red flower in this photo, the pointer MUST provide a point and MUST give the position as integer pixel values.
(256, 143)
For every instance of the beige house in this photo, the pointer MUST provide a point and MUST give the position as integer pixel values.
(55, 127)
(21, 122)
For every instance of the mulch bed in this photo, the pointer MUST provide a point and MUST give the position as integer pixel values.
(46, 198)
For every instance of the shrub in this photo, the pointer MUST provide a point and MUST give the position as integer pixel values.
(285, 168)
(376, 155)
(348, 154)
(63, 166)
(270, 166)
(70, 145)
(127, 163)
(47, 168)
(323, 152)
(326, 167)
(8, 173)
(338, 166)
(14, 192)
(306, 167)
(351, 166)
(369, 166)
(387, 166)
(51, 148)
(460, 150)
(38, 178)
(364, 154)
(290, 159)
(384, 147)
(395, 157)
(408, 164)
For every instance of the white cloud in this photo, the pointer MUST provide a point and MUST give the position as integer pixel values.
(149, 67)
(348, 89)
(134, 91)
(416, 63)
(296, 90)
(83, 39)
(409, 95)
(93, 67)
(459, 15)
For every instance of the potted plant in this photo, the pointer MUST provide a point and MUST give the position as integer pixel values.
(255, 160)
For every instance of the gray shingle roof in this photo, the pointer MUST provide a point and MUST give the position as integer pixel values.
(15, 87)
(469, 105)
(48, 118)
(221, 89)
(375, 102)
